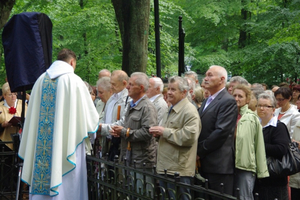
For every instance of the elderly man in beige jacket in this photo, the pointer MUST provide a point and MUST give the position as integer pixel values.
(178, 136)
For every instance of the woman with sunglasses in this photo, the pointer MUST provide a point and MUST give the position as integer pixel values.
(286, 112)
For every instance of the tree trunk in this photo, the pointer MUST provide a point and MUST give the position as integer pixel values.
(84, 36)
(5, 9)
(243, 33)
(133, 20)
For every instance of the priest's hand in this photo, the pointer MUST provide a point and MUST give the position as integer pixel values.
(116, 131)
(99, 131)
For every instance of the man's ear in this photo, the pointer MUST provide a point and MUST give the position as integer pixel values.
(222, 79)
(157, 89)
(142, 88)
(73, 63)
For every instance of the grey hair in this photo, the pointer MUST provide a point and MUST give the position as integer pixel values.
(221, 72)
(269, 92)
(122, 75)
(104, 70)
(158, 83)
(257, 85)
(104, 82)
(239, 79)
(191, 84)
(265, 95)
(189, 73)
(5, 88)
(257, 90)
(142, 79)
(182, 83)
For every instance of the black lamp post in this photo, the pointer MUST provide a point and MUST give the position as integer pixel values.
(157, 38)
(181, 48)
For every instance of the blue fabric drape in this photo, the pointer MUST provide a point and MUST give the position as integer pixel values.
(27, 42)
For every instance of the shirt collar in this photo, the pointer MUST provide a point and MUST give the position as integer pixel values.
(216, 94)
(180, 104)
(154, 97)
(272, 122)
(6, 105)
(132, 104)
(118, 95)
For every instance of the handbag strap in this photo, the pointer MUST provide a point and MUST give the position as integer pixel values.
(287, 131)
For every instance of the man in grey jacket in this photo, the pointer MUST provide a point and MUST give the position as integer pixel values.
(154, 93)
(136, 142)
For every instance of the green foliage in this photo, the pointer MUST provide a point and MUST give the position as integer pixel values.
(214, 31)
(91, 32)
(271, 53)
(89, 28)
(169, 16)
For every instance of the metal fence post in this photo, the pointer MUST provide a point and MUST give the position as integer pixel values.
(256, 196)
(116, 175)
(177, 180)
(238, 193)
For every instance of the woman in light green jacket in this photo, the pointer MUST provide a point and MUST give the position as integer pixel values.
(250, 157)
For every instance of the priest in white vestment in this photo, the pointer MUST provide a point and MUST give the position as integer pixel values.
(59, 118)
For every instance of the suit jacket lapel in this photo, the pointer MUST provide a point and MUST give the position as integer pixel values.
(211, 105)
(202, 107)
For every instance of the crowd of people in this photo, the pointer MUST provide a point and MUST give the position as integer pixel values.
(229, 128)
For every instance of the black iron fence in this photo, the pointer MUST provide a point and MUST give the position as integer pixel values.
(9, 169)
(111, 180)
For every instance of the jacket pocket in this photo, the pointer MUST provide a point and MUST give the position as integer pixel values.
(135, 122)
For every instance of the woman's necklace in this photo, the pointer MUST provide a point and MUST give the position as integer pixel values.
(283, 112)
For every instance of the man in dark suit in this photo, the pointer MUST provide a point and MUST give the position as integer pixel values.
(218, 114)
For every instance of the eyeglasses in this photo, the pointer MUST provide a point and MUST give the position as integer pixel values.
(12, 94)
(264, 106)
(280, 99)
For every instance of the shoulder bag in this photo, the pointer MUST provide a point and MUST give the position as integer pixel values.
(288, 165)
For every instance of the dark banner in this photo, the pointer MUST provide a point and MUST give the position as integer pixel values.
(27, 42)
